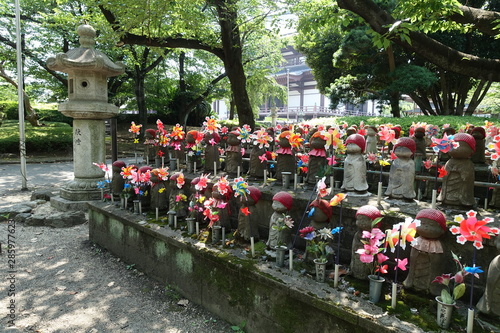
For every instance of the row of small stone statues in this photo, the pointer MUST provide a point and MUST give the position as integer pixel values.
(427, 256)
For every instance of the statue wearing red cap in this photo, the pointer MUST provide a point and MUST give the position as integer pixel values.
(355, 165)
(458, 183)
(402, 172)
(365, 216)
(282, 203)
(426, 256)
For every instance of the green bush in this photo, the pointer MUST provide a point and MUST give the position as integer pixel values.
(10, 109)
(49, 138)
(457, 122)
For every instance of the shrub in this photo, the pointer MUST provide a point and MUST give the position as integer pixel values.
(49, 138)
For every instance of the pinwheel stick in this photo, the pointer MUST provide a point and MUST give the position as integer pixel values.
(337, 257)
(395, 283)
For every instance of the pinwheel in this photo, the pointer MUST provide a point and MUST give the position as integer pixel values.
(240, 187)
(210, 125)
(445, 144)
(136, 129)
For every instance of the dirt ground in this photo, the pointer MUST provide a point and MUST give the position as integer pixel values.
(61, 282)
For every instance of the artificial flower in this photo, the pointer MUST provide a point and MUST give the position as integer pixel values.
(324, 233)
(331, 160)
(307, 233)
(295, 140)
(261, 138)
(322, 189)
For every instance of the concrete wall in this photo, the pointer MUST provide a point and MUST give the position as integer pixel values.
(231, 288)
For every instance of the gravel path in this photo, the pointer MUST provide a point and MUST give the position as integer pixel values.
(63, 283)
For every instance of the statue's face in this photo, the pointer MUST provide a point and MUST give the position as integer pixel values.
(402, 152)
(463, 151)
(278, 207)
(429, 228)
(363, 222)
(353, 148)
(370, 132)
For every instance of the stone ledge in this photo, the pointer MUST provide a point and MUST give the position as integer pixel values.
(235, 288)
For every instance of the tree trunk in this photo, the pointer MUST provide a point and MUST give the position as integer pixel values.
(29, 113)
(233, 64)
(395, 109)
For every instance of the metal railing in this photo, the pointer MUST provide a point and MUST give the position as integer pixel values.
(311, 111)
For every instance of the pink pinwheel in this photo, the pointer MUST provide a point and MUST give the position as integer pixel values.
(372, 158)
(445, 144)
(495, 145)
(331, 160)
(261, 138)
(211, 125)
(427, 164)
(223, 185)
(203, 183)
(401, 264)
(473, 230)
(102, 166)
(136, 129)
(163, 173)
(180, 180)
(387, 134)
(263, 158)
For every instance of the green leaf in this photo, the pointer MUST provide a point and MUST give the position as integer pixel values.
(446, 297)
(459, 291)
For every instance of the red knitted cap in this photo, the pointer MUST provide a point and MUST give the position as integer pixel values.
(119, 164)
(195, 181)
(467, 138)
(255, 193)
(145, 168)
(371, 211)
(433, 214)
(151, 131)
(323, 205)
(358, 140)
(480, 130)
(284, 198)
(406, 142)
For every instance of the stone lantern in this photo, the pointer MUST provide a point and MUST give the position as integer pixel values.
(88, 70)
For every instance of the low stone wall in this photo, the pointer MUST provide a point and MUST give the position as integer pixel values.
(235, 288)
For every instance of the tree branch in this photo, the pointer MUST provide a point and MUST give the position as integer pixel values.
(430, 49)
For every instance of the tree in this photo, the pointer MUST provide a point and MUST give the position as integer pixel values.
(372, 66)
(410, 23)
(221, 27)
